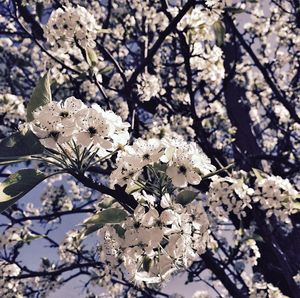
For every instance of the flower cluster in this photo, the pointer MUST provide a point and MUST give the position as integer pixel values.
(227, 195)
(276, 195)
(9, 288)
(148, 86)
(10, 237)
(54, 198)
(208, 62)
(200, 21)
(69, 26)
(9, 269)
(265, 290)
(13, 235)
(11, 107)
(184, 163)
(200, 26)
(258, 288)
(157, 241)
(133, 158)
(206, 58)
(169, 128)
(250, 252)
(58, 123)
(70, 246)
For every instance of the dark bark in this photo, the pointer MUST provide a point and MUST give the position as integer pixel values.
(219, 272)
(275, 259)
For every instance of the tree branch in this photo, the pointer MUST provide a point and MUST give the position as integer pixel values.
(151, 53)
(127, 201)
(221, 274)
(279, 96)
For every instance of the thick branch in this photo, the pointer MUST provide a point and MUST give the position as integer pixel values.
(127, 201)
(269, 238)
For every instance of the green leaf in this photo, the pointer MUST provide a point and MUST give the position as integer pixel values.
(41, 96)
(120, 231)
(17, 185)
(91, 57)
(132, 188)
(30, 237)
(295, 207)
(185, 197)
(108, 216)
(19, 145)
(219, 30)
(257, 237)
(162, 167)
(106, 69)
(106, 202)
(258, 174)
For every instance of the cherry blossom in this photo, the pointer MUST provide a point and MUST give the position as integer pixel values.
(70, 25)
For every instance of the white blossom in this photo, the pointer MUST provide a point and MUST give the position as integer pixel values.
(58, 123)
(186, 163)
(229, 195)
(276, 195)
(148, 86)
(70, 25)
(155, 245)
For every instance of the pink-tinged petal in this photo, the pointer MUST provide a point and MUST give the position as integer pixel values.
(102, 142)
(85, 118)
(73, 104)
(172, 171)
(179, 180)
(48, 121)
(49, 143)
(68, 123)
(150, 218)
(168, 217)
(155, 237)
(96, 107)
(67, 131)
(83, 138)
(40, 133)
(193, 177)
(63, 138)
